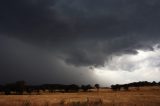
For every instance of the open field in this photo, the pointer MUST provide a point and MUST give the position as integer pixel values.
(146, 96)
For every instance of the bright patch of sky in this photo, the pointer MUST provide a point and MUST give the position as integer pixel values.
(143, 66)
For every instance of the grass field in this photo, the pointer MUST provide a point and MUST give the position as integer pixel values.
(146, 96)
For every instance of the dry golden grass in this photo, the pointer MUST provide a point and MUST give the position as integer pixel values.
(146, 96)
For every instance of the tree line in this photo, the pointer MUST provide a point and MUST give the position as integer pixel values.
(125, 87)
(20, 87)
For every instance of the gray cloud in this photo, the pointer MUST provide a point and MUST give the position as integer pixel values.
(21, 61)
(79, 32)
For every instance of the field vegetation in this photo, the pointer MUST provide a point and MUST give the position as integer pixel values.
(148, 95)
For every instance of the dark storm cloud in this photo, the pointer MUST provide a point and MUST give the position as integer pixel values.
(21, 61)
(83, 32)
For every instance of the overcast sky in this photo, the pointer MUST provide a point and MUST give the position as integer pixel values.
(79, 41)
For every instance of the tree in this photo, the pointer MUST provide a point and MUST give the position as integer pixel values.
(1, 88)
(86, 87)
(125, 87)
(71, 88)
(29, 89)
(97, 86)
(20, 87)
(116, 87)
(154, 83)
(7, 89)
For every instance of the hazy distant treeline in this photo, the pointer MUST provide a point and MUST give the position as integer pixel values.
(21, 87)
(119, 87)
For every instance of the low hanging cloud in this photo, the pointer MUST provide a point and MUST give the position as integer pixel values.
(81, 33)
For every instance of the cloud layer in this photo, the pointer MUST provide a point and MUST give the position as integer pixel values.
(81, 33)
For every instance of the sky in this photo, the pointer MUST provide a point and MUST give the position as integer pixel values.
(79, 41)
